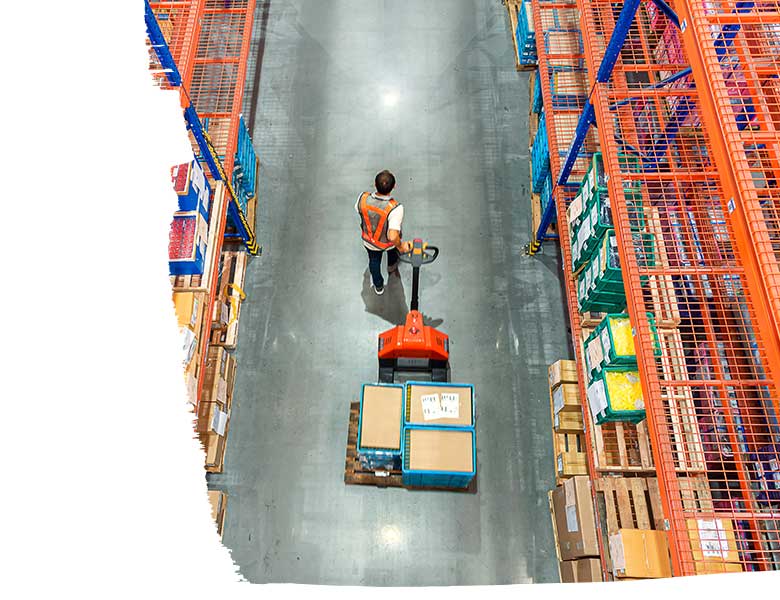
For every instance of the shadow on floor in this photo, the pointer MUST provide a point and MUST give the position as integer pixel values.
(390, 306)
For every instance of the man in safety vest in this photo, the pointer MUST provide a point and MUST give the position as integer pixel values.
(380, 223)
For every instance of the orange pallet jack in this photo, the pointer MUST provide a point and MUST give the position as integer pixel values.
(414, 348)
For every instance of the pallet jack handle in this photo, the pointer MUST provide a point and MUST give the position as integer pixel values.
(417, 257)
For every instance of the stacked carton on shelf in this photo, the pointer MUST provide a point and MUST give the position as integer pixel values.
(568, 426)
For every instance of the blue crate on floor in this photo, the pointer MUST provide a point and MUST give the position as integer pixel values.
(462, 449)
(540, 156)
(454, 387)
(538, 102)
(376, 458)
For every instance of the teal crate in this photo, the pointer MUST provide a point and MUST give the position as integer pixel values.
(436, 473)
(603, 400)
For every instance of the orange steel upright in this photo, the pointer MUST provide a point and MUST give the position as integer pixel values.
(706, 366)
(210, 42)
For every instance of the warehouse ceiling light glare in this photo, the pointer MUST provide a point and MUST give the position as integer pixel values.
(390, 535)
(390, 98)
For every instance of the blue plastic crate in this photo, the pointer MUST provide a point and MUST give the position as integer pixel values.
(380, 458)
(464, 422)
(433, 476)
(538, 102)
(244, 170)
(568, 87)
(540, 156)
(526, 35)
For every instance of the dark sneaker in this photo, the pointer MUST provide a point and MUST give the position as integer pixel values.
(379, 290)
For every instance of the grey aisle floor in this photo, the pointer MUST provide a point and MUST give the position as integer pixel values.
(427, 89)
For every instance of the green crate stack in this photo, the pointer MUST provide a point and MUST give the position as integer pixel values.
(611, 390)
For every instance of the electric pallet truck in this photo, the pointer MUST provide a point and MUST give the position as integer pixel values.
(414, 348)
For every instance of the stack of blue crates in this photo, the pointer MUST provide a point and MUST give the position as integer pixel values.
(540, 156)
(538, 102)
(244, 171)
(430, 428)
(526, 35)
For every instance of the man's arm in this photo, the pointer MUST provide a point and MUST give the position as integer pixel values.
(394, 237)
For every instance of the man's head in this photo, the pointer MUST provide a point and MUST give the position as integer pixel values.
(385, 182)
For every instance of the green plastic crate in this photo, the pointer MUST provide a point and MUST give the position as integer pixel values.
(604, 396)
(607, 332)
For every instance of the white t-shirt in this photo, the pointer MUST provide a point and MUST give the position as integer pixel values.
(394, 220)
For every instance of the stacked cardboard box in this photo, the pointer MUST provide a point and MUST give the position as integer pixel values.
(214, 406)
(568, 425)
(574, 524)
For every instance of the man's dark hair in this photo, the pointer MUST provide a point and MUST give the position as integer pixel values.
(385, 182)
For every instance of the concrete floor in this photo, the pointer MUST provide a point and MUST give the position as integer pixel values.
(428, 90)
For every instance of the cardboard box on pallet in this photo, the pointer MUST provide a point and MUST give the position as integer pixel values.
(562, 371)
(640, 554)
(575, 521)
(585, 570)
(714, 546)
(211, 418)
(566, 397)
(568, 422)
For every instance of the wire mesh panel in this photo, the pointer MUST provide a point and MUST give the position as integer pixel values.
(701, 357)
(219, 71)
(179, 22)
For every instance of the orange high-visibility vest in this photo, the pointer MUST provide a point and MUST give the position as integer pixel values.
(373, 219)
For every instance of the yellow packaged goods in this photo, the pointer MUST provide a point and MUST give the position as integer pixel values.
(187, 306)
(622, 336)
(640, 554)
(624, 390)
(562, 371)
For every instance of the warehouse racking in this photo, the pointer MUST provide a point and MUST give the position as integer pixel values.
(686, 109)
(200, 48)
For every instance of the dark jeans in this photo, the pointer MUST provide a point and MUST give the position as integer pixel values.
(375, 264)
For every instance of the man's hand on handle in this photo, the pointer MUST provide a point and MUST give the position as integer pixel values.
(405, 247)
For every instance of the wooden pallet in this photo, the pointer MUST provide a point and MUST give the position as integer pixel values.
(232, 271)
(555, 533)
(695, 494)
(664, 297)
(622, 448)
(202, 283)
(356, 474)
(627, 503)
(685, 438)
